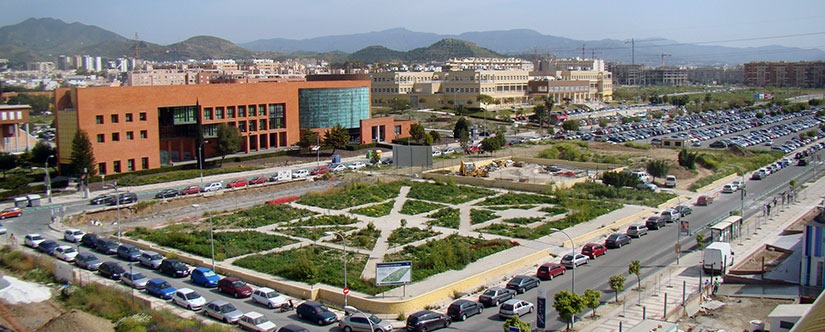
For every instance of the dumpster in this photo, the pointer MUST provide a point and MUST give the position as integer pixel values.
(21, 202)
(34, 199)
(336, 158)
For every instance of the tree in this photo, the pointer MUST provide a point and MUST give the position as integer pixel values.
(228, 141)
(7, 162)
(417, 132)
(495, 143)
(700, 240)
(436, 136)
(570, 125)
(687, 159)
(82, 155)
(549, 103)
(517, 322)
(635, 267)
(568, 304)
(617, 285)
(591, 299)
(461, 132)
(657, 168)
(505, 115)
(620, 179)
(483, 99)
(40, 154)
(708, 98)
(336, 137)
(603, 122)
(540, 111)
(308, 139)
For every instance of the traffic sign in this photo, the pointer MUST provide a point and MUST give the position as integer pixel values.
(346, 290)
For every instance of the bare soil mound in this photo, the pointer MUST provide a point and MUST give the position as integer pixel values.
(78, 321)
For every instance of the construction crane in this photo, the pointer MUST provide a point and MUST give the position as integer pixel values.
(663, 58)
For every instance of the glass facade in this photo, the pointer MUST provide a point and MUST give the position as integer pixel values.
(324, 108)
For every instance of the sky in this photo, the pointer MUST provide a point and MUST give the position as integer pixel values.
(738, 23)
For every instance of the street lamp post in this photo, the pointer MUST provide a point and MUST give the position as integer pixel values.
(211, 236)
(344, 241)
(48, 178)
(573, 270)
(200, 157)
(85, 182)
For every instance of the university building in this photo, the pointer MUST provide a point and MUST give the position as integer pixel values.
(785, 74)
(147, 127)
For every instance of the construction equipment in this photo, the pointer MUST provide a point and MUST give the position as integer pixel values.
(468, 168)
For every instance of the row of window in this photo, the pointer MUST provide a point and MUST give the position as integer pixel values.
(231, 112)
(118, 168)
(130, 135)
(115, 118)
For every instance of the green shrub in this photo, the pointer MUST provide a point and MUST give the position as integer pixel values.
(227, 244)
(478, 216)
(402, 236)
(325, 220)
(413, 207)
(354, 195)
(313, 233)
(522, 220)
(261, 215)
(518, 198)
(446, 192)
(375, 210)
(446, 217)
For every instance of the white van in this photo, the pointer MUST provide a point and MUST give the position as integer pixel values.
(717, 257)
(670, 181)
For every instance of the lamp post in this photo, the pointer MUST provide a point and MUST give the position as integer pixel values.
(48, 178)
(200, 157)
(117, 206)
(85, 182)
(211, 237)
(573, 245)
(344, 241)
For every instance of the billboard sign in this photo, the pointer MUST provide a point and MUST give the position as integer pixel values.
(393, 273)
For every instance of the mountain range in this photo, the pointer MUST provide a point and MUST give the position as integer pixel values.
(43, 39)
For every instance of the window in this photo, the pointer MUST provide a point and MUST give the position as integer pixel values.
(101, 138)
(253, 126)
(130, 135)
(230, 112)
(276, 117)
(241, 111)
(397, 130)
(262, 124)
(785, 325)
(144, 134)
(207, 113)
(115, 137)
(114, 118)
(144, 163)
(142, 116)
(101, 168)
(130, 165)
(129, 117)
(116, 166)
(261, 110)
(99, 119)
(218, 113)
(242, 126)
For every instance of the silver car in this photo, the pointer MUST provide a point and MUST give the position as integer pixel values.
(514, 307)
(223, 311)
(636, 230)
(150, 259)
(135, 280)
(359, 322)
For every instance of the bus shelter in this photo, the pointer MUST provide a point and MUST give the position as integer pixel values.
(726, 230)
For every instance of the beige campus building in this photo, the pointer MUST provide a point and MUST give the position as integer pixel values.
(445, 89)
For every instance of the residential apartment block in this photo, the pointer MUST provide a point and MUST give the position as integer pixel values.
(785, 74)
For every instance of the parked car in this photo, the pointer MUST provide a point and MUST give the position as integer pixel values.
(237, 183)
(89, 240)
(160, 288)
(106, 246)
(356, 165)
(670, 215)
(704, 200)
(636, 230)
(73, 235)
(683, 210)
(47, 246)
(593, 250)
(254, 321)
(214, 186)
(33, 240)
(292, 328)
(461, 309)
(616, 240)
(191, 190)
(124, 198)
(204, 277)
(359, 321)
(65, 253)
(338, 168)
(11, 212)
(135, 280)
(655, 222)
(320, 170)
(223, 311)
(111, 270)
(548, 271)
(128, 252)
(150, 259)
(174, 268)
(258, 180)
(235, 287)
(189, 299)
(522, 283)
(87, 261)
(574, 260)
(167, 193)
(316, 313)
(647, 186)
(102, 199)
(495, 295)
(514, 307)
(427, 320)
(268, 297)
(728, 189)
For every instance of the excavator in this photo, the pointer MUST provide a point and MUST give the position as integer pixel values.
(468, 168)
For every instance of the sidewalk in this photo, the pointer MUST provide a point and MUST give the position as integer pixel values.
(667, 285)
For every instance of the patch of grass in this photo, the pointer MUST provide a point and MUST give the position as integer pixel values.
(509, 207)
(227, 244)
(261, 215)
(375, 210)
(112, 303)
(414, 206)
(313, 233)
(447, 217)
(364, 238)
(580, 211)
(599, 191)
(478, 216)
(522, 220)
(553, 210)
(635, 145)
(446, 192)
(724, 163)
(325, 220)
(354, 195)
(28, 267)
(402, 236)
(518, 198)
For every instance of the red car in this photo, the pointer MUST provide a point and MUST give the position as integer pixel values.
(191, 190)
(237, 183)
(319, 170)
(11, 212)
(235, 287)
(548, 271)
(258, 180)
(704, 200)
(593, 250)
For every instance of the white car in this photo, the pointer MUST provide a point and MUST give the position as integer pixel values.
(448, 151)
(214, 186)
(436, 153)
(356, 165)
(337, 168)
(268, 297)
(189, 299)
(254, 321)
(65, 253)
(572, 261)
(73, 235)
(514, 307)
(33, 240)
(299, 174)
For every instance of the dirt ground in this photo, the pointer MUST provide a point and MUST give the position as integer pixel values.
(49, 316)
(734, 316)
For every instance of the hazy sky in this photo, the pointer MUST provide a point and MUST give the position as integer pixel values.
(797, 23)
